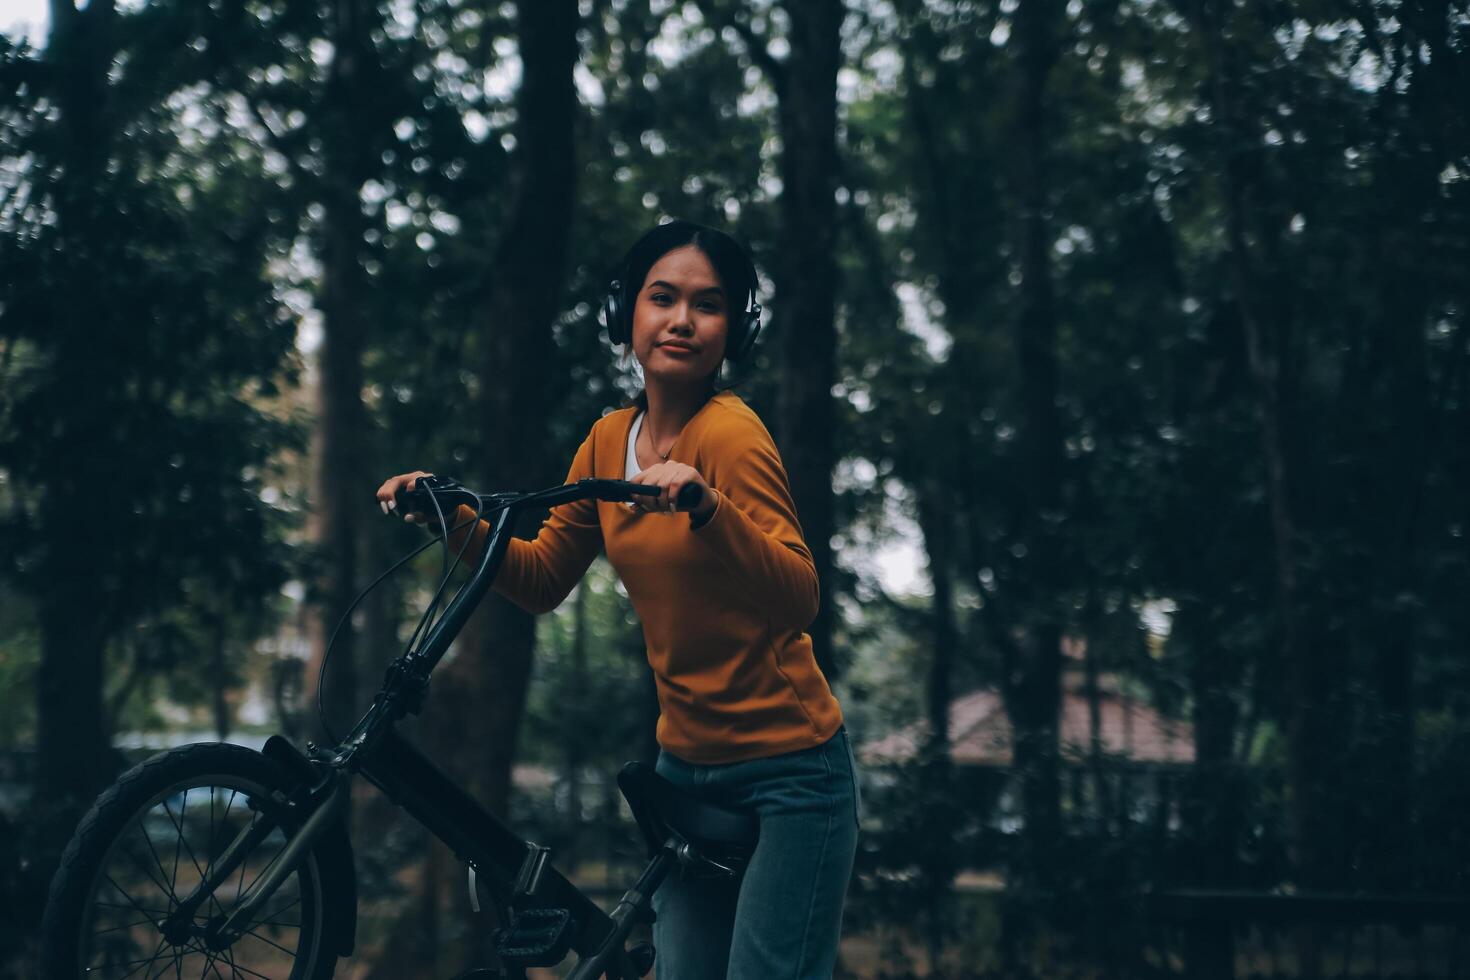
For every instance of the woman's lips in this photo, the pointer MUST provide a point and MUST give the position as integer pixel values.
(677, 348)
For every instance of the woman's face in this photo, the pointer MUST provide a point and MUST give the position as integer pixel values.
(680, 319)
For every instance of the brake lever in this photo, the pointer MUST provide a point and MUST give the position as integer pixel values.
(430, 490)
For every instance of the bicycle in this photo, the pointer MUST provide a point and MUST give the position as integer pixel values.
(238, 864)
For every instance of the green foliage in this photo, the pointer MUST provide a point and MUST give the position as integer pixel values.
(588, 698)
(1251, 211)
(20, 652)
(144, 349)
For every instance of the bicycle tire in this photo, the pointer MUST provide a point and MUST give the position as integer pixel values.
(145, 842)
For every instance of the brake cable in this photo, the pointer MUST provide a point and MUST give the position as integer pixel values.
(441, 538)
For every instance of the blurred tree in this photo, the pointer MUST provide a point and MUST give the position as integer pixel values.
(507, 272)
(137, 347)
(323, 87)
(804, 268)
(355, 107)
(585, 712)
(1319, 132)
(1180, 336)
(1021, 545)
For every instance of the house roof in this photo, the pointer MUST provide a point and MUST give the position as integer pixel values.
(980, 730)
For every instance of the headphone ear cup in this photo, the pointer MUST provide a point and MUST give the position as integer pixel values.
(612, 311)
(744, 340)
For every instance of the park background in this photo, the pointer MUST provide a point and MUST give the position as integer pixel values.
(1117, 351)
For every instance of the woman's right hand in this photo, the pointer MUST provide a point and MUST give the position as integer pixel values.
(388, 495)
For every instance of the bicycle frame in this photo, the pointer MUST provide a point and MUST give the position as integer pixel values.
(375, 750)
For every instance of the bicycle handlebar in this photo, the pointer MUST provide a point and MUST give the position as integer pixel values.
(448, 494)
(408, 675)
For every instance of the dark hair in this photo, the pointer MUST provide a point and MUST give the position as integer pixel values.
(732, 263)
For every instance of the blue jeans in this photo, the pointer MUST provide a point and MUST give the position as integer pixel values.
(784, 917)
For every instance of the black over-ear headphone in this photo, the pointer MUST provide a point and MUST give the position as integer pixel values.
(617, 307)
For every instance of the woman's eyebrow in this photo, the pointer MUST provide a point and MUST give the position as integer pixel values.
(671, 286)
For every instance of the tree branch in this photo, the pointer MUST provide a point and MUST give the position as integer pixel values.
(739, 21)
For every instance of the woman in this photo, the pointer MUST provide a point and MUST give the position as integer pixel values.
(725, 593)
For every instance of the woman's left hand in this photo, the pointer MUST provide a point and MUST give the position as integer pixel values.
(671, 477)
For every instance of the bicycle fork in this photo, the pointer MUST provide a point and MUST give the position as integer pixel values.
(224, 930)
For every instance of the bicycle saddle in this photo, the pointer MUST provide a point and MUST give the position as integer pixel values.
(660, 807)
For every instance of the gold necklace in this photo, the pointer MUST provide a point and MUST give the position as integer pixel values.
(654, 448)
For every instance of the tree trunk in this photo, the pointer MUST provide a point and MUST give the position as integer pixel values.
(342, 483)
(1411, 192)
(72, 740)
(487, 682)
(938, 531)
(937, 524)
(219, 675)
(1211, 806)
(576, 750)
(1310, 676)
(1311, 739)
(1032, 664)
(806, 289)
(525, 294)
(804, 328)
(73, 755)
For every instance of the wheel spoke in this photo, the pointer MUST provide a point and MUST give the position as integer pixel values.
(139, 964)
(127, 925)
(224, 817)
(134, 891)
(255, 935)
(263, 872)
(284, 908)
(211, 829)
(278, 923)
(129, 905)
(173, 899)
(179, 838)
(125, 895)
(212, 964)
(240, 882)
(230, 958)
(164, 969)
(143, 866)
(182, 839)
(245, 969)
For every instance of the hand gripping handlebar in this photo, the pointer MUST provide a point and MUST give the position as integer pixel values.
(448, 494)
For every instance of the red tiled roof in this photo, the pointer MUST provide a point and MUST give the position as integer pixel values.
(980, 730)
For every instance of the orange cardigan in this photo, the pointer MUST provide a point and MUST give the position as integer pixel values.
(724, 605)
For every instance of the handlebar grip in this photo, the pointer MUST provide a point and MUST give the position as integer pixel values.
(690, 494)
(688, 498)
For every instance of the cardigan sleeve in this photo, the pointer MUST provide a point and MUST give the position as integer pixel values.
(754, 530)
(538, 574)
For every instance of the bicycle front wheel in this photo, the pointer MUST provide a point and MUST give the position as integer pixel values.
(147, 845)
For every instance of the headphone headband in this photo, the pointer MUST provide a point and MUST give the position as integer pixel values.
(622, 294)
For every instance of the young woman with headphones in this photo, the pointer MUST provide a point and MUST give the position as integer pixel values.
(725, 594)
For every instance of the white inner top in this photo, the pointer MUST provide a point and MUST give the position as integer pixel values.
(632, 468)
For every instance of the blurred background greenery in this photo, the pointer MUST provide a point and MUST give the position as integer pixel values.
(1117, 352)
